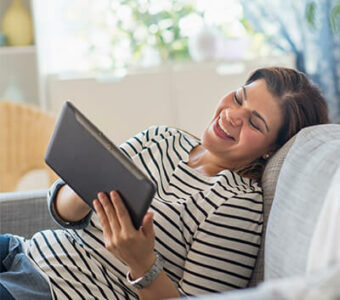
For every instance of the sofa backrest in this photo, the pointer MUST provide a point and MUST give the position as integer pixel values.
(302, 186)
(269, 180)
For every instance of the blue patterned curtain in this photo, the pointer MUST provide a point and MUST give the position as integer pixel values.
(310, 29)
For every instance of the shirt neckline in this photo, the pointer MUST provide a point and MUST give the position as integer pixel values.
(184, 163)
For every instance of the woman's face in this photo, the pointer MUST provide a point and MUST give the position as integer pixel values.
(244, 127)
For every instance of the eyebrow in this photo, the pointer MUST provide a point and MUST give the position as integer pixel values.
(254, 111)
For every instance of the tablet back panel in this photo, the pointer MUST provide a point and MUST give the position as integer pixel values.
(89, 163)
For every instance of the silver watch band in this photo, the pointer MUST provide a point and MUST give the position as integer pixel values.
(150, 276)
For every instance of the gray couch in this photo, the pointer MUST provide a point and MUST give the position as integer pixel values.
(24, 213)
(298, 175)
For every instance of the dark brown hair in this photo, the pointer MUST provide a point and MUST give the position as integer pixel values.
(301, 103)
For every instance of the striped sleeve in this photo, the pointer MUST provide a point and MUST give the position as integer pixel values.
(136, 144)
(51, 199)
(224, 248)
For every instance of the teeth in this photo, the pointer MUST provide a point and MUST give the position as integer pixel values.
(225, 130)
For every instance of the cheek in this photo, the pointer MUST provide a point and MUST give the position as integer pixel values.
(253, 139)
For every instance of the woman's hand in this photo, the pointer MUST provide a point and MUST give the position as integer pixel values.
(133, 247)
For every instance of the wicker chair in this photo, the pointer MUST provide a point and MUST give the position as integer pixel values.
(24, 135)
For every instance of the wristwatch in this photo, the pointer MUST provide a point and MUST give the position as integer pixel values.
(150, 276)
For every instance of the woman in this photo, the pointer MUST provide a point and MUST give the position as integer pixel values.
(203, 230)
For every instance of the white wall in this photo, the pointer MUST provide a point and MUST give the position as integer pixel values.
(183, 96)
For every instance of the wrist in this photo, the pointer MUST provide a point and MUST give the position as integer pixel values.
(142, 268)
(69, 207)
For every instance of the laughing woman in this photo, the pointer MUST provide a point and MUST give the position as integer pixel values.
(203, 231)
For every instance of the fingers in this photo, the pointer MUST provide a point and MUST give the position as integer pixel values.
(117, 215)
(103, 219)
(122, 213)
(148, 224)
(110, 211)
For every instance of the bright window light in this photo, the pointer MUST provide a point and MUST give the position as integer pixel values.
(93, 35)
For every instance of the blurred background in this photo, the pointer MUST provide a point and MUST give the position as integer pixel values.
(129, 64)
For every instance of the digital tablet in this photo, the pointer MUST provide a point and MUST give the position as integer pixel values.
(90, 163)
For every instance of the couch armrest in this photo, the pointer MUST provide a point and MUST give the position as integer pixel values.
(321, 284)
(24, 213)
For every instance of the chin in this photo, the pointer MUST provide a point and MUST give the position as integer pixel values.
(207, 136)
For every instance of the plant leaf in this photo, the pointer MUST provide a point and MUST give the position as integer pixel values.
(334, 18)
(310, 14)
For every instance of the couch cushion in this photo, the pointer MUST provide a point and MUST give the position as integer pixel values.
(269, 180)
(302, 186)
(24, 213)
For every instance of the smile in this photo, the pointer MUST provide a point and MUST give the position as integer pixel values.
(221, 132)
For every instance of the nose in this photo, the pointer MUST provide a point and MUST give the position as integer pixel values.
(236, 117)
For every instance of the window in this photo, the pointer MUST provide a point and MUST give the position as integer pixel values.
(91, 35)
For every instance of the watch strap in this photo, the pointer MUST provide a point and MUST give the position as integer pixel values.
(148, 277)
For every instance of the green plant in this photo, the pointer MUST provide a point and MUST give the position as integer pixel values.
(125, 33)
(162, 29)
(333, 16)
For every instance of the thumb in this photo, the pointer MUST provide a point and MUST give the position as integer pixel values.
(148, 224)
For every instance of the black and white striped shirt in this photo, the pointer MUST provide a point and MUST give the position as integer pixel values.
(208, 229)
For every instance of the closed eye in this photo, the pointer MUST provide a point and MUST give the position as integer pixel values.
(237, 100)
(253, 125)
